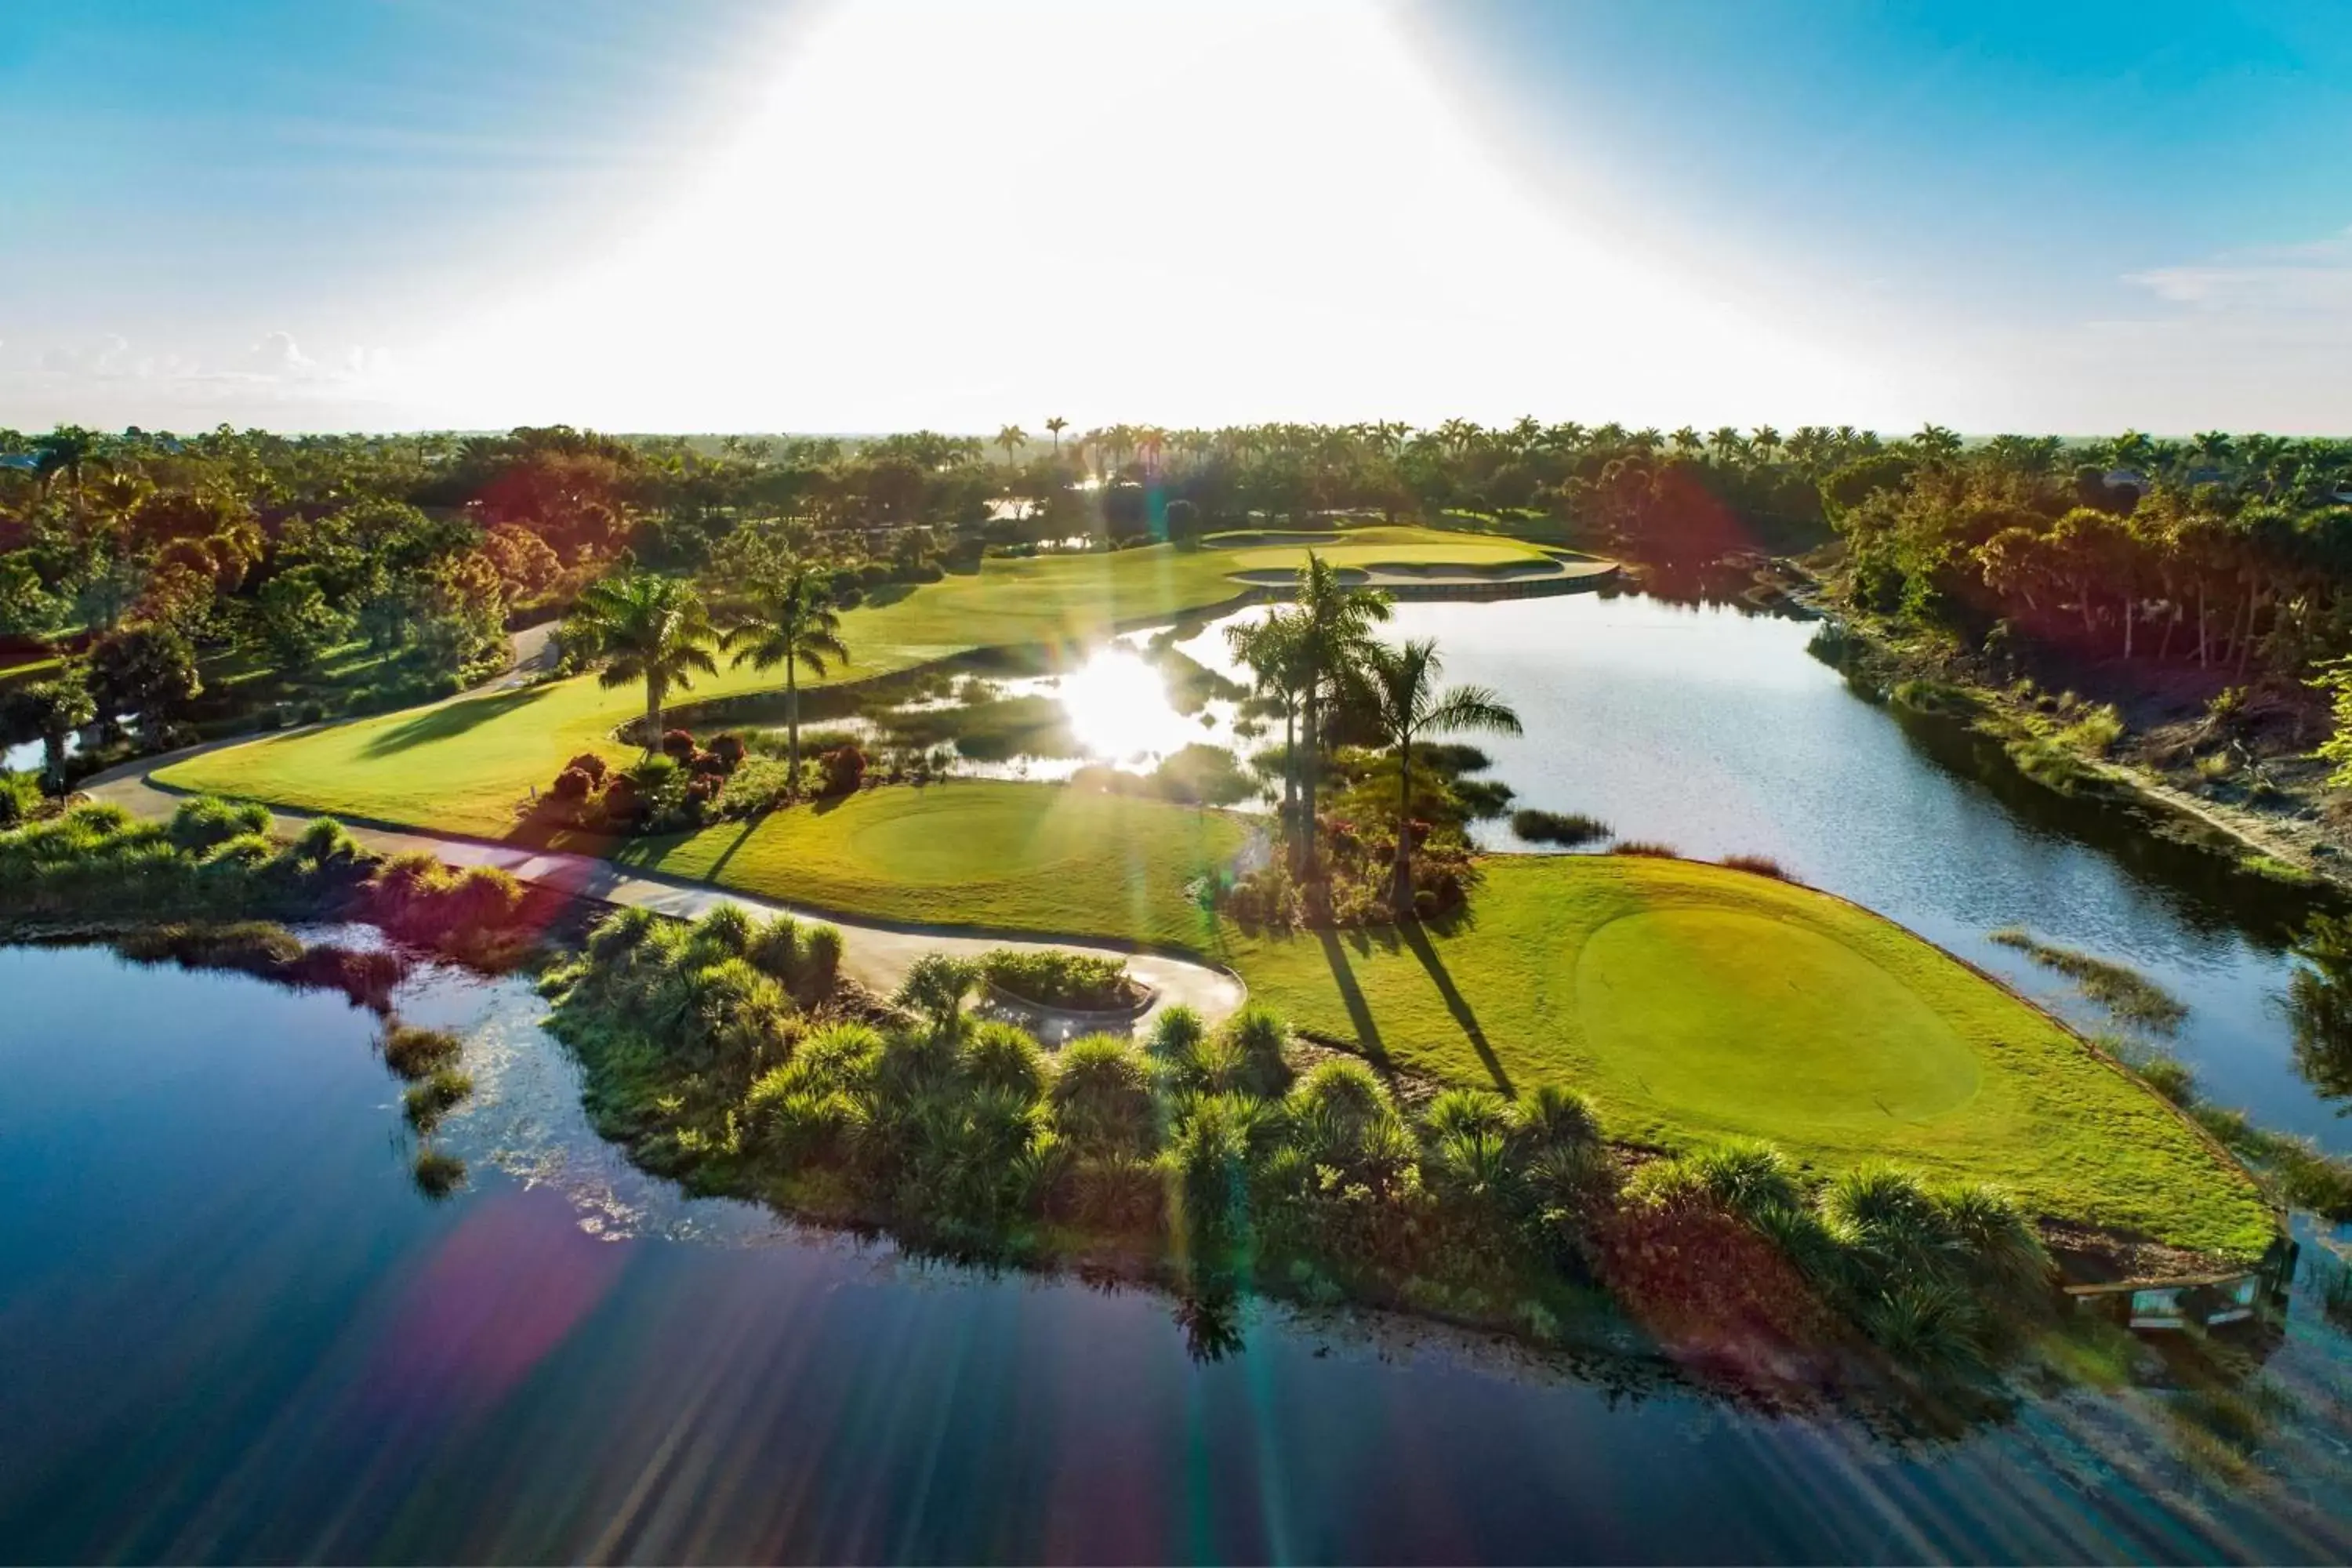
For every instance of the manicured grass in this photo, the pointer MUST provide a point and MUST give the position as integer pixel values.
(467, 765)
(982, 853)
(1696, 1004)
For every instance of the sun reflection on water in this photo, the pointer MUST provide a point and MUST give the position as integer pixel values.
(1119, 710)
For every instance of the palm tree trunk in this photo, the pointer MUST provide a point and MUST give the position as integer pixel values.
(1303, 852)
(653, 714)
(2204, 630)
(1403, 897)
(793, 726)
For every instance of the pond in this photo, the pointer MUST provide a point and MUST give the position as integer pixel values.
(1717, 731)
(232, 1328)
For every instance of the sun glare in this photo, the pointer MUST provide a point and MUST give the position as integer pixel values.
(1118, 708)
(948, 215)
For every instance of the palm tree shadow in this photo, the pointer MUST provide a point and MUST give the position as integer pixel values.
(1417, 939)
(450, 719)
(750, 826)
(1359, 1014)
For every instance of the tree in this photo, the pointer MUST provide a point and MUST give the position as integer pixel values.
(1405, 704)
(1271, 649)
(149, 671)
(295, 619)
(52, 711)
(640, 626)
(1057, 425)
(1012, 437)
(792, 623)
(1335, 635)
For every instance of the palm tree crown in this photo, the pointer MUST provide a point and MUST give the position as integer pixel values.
(1334, 634)
(641, 627)
(792, 623)
(1404, 702)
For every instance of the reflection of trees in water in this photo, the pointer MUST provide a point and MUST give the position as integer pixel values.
(2194, 877)
(2319, 1006)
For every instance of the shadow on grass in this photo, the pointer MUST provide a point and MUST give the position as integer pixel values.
(451, 720)
(1417, 939)
(1359, 1014)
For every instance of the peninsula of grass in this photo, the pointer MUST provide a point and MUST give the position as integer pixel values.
(987, 855)
(1694, 1004)
(465, 765)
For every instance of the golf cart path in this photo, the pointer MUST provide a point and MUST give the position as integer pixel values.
(876, 956)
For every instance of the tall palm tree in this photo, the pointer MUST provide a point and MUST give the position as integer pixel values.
(792, 623)
(1057, 425)
(1011, 438)
(1334, 634)
(1272, 651)
(645, 627)
(1405, 704)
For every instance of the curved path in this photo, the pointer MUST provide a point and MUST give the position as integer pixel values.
(876, 956)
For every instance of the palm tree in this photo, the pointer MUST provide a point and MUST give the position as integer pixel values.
(645, 627)
(792, 623)
(1011, 438)
(1405, 704)
(1334, 634)
(1057, 425)
(1271, 650)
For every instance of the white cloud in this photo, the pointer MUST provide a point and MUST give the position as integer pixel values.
(2301, 280)
(277, 354)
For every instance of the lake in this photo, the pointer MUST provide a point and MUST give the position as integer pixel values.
(231, 1328)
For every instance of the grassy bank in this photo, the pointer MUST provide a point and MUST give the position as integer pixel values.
(467, 765)
(1694, 1004)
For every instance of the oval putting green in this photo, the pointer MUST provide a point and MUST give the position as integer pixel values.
(1696, 1004)
(1729, 1016)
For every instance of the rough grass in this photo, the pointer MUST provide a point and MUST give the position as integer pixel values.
(1694, 1004)
(466, 765)
(975, 853)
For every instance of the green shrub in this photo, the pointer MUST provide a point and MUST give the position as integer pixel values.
(725, 928)
(618, 933)
(1101, 1096)
(324, 841)
(935, 986)
(819, 959)
(1466, 1112)
(98, 819)
(1252, 1059)
(775, 948)
(1554, 1118)
(999, 1055)
(1176, 1035)
(1051, 977)
(208, 820)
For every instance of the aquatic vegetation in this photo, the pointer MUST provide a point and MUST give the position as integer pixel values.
(432, 1098)
(417, 1053)
(1759, 866)
(2131, 997)
(436, 1173)
(1565, 829)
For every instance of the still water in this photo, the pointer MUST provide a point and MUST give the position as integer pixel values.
(230, 1328)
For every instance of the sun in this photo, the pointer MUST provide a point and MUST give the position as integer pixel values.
(946, 214)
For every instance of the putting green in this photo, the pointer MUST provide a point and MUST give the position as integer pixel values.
(1672, 992)
(1696, 1004)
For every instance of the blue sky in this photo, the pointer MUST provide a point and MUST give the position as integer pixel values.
(721, 214)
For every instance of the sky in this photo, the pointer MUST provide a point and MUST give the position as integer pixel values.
(865, 215)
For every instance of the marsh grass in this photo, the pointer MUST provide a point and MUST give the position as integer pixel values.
(2296, 1169)
(1759, 866)
(415, 1053)
(1646, 846)
(2127, 995)
(426, 1103)
(1564, 829)
(438, 1175)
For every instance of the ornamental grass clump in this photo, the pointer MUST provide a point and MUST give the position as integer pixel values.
(416, 1053)
(440, 1092)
